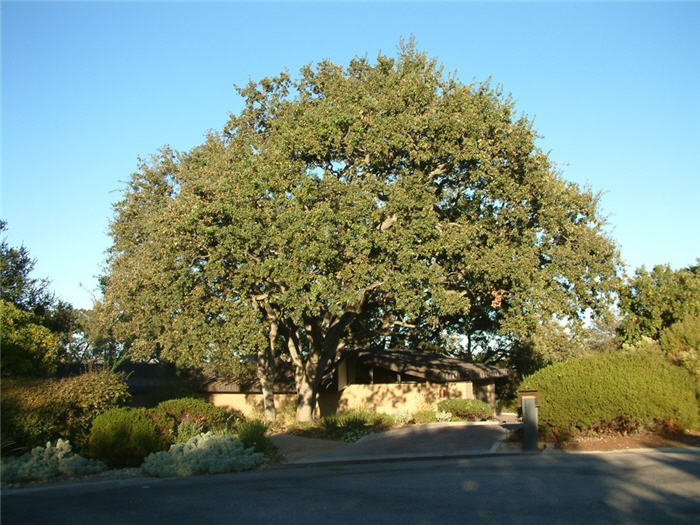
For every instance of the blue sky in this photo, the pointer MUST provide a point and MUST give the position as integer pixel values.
(89, 87)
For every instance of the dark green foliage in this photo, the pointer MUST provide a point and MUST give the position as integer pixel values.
(36, 326)
(373, 202)
(166, 426)
(186, 415)
(123, 437)
(614, 392)
(254, 434)
(187, 430)
(34, 412)
(352, 425)
(466, 409)
(681, 344)
(199, 412)
(655, 300)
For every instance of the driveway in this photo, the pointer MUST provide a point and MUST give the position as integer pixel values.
(429, 440)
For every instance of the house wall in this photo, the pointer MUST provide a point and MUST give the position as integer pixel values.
(382, 398)
(392, 398)
(251, 405)
(486, 392)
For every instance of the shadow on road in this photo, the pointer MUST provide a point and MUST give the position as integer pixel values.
(648, 487)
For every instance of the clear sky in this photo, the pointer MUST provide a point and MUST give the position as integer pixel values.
(88, 87)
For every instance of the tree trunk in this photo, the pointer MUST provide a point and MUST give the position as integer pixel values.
(306, 400)
(309, 368)
(266, 375)
(267, 384)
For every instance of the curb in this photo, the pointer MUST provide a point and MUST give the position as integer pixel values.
(404, 457)
(478, 454)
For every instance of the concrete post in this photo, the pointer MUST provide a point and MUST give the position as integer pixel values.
(529, 423)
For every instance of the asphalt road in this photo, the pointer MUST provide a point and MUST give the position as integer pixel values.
(627, 487)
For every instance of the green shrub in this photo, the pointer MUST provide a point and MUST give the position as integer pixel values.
(681, 344)
(34, 412)
(48, 462)
(424, 416)
(199, 412)
(203, 454)
(466, 409)
(122, 437)
(187, 430)
(352, 425)
(166, 426)
(253, 434)
(620, 391)
(331, 425)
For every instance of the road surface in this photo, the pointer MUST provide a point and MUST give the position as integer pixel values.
(629, 487)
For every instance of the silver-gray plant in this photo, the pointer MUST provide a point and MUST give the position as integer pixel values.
(48, 462)
(206, 453)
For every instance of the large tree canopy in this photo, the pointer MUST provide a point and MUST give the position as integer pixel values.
(378, 204)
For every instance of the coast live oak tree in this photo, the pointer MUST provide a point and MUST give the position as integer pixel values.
(378, 204)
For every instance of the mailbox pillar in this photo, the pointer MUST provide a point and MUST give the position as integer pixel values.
(529, 424)
(529, 400)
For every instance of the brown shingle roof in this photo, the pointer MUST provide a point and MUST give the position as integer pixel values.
(429, 366)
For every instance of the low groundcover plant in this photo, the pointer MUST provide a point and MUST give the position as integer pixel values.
(48, 462)
(203, 454)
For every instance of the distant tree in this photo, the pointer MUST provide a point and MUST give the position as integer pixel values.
(28, 348)
(17, 286)
(653, 301)
(374, 205)
(36, 326)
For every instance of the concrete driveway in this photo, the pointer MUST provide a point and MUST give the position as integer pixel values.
(417, 441)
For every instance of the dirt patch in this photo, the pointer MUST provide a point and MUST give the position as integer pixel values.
(292, 447)
(604, 443)
(611, 442)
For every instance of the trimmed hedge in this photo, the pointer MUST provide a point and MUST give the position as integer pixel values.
(34, 412)
(621, 391)
(466, 409)
(123, 437)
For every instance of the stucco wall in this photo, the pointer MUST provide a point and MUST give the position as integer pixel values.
(393, 398)
(383, 398)
(485, 392)
(251, 405)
